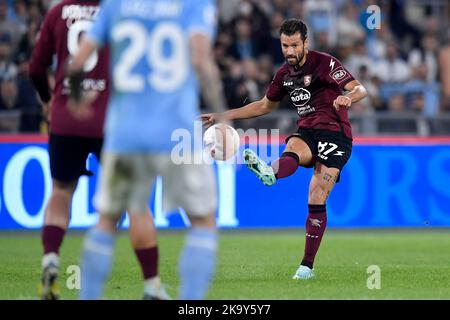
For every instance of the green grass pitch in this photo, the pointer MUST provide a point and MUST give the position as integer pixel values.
(259, 264)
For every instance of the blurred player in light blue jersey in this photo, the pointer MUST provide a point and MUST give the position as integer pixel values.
(160, 57)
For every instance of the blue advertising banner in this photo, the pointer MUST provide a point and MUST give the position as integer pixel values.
(383, 185)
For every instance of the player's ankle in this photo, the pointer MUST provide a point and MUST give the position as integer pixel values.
(152, 283)
(51, 258)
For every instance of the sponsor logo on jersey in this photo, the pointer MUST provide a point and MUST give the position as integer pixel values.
(87, 85)
(339, 74)
(300, 97)
(307, 80)
(288, 83)
(305, 110)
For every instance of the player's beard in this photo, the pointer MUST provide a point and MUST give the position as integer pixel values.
(297, 58)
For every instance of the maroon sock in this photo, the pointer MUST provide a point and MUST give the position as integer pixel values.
(148, 259)
(286, 165)
(315, 228)
(52, 238)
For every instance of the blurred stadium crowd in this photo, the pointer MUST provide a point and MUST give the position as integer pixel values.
(404, 64)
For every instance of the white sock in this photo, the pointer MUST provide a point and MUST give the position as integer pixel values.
(151, 284)
(50, 258)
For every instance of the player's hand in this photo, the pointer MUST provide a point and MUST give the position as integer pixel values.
(82, 109)
(46, 113)
(342, 101)
(208, 119)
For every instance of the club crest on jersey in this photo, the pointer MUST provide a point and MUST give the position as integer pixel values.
(307, 80)
(300, 97)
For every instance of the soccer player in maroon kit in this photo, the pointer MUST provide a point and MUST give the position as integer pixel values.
(315, 82)
(72, 140)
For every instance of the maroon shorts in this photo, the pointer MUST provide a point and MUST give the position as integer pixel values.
(68, 156)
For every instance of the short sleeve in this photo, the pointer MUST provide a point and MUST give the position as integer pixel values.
(276, 90)
(337, 74)
(99, 31)
(201, 17)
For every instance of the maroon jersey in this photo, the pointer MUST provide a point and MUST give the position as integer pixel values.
(312, 89)
(59, 36)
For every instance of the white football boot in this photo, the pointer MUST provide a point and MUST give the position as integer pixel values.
(304, 273)
(261, 169)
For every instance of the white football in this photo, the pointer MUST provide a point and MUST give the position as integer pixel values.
(221, 141)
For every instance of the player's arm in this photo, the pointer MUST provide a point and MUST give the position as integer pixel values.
(207, 72)
(356, 92)
(41, 60)
(251, 110)
(254, 109)
(79, 103)
(76, 65)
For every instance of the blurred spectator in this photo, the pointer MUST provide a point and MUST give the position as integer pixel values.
(259, 22)
(320, 17)
(401, 27)
(373, 101)
(418, 103)
(347, 24)
(274, 46)
(444, 67)
(21, 15)
(228, 10)
(406, 60)
(8, 69)
(9, 109)
(8, 93)
(427, 91)
(265, 71)
(35, 12)
(321, 43)
(396, 102)
(296, 10)
(235, 92)
(392, 69)
(244, 46)
(426, 55)
(27, 99)
(9, 27)
(251, 82)
(282, 6)
(359, 58)
(28, 40)
(376, 44)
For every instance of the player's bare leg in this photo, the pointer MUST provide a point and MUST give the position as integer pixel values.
(322, 182)
(198, 258)
(143, 238)
(56, 221)
(296, 153)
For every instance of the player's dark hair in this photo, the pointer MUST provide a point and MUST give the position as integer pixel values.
(292, 26)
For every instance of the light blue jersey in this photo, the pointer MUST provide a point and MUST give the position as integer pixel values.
(154, 89)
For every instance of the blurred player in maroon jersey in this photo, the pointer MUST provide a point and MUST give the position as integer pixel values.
(315, 82)
(72, 140)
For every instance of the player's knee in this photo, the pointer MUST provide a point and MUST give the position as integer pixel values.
(67, 188)
(207, 221)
